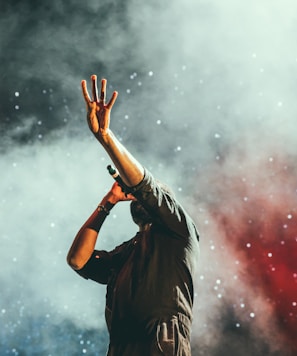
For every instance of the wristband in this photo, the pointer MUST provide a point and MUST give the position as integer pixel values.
(106, 208)
(103, 208)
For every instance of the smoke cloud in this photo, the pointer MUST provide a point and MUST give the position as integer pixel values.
(207, 103)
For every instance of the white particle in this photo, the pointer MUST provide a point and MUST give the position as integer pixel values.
(212, 247)
(242, 305)
(39, 122)
(178, 148)
(84, 351)
(252, 315)
(134, 75)
(150, 73)
(206, 222)
(218, 281)
(184, 67)
(270, 159)
(126, 117)
(237, 325)
(202, 278)
(285, 226)
(216, 135)
(44, 91)
(14, 259)
(139, 84)
(219, 296)
(290, 216)
(17, 107)
(245, 198)
(269, 254)
(17, 93)
(294, 304)
(128, 91)
(52, 224)
(248, 245)
(3, 311)
(280, 104)
(158, 122)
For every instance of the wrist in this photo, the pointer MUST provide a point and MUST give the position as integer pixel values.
(110, 198)
(104, 136)
(106, 207)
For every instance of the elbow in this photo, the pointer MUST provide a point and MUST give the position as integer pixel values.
(74, 262)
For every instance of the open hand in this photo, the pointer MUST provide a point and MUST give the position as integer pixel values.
(98, 113)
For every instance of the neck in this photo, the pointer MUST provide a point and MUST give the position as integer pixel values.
(145, 227)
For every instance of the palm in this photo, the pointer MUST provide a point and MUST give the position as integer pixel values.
(98, 117)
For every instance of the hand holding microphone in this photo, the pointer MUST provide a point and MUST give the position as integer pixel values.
(116, 176)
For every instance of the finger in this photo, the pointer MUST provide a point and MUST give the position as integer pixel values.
(94, 88)
(112, 100)
(85, 92)
(103, 90)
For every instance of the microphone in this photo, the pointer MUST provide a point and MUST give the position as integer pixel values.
(116, 176)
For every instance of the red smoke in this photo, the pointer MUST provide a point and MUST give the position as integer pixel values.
(259, 217)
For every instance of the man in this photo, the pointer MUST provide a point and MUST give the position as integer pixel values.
(149, 278)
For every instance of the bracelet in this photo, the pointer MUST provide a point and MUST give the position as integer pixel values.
(103, 208)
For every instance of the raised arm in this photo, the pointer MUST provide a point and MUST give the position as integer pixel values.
(98, 117)
(84, 243)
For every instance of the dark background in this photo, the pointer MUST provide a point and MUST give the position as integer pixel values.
(207, 102)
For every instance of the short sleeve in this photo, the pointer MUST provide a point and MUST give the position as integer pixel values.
(165, 209)
(98, 267)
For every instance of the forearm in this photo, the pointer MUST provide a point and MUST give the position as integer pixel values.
(130, 170)
(86, 238)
